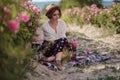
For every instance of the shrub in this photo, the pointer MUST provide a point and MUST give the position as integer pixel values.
(102, 17)
(18, 22)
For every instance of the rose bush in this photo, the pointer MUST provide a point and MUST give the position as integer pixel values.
(106, 17)
(19, 20)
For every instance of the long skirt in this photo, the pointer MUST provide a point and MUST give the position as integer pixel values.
(49, 48)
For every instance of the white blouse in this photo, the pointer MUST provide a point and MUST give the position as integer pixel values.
(49, 33)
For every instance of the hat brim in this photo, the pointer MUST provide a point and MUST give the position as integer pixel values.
(48, 11)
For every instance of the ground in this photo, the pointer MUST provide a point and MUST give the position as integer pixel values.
(97, 40)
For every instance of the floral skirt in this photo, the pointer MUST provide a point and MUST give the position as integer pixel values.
(49, 48)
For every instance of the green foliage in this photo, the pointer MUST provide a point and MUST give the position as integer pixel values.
(15, 49)
(66, 4)
(115, 12)
(107, 18)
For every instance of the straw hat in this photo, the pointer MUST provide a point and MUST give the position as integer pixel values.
(50, 7)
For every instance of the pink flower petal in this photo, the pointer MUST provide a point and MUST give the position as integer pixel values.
(25, 17)
(13, 25)
(35, 38)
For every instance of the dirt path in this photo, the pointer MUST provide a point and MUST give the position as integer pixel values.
(94, 39)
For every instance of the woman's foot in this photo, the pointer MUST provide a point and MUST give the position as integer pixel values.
(58, 64)
(41, 57)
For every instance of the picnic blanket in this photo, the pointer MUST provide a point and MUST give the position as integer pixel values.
(80, 60)
(77, 59)
(88, 59)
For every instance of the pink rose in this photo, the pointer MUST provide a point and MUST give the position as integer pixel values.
(30, 24)
(6, 10)
(13, 25)
(37, 31)
(93, 6)
(31, 7)
(36, 10)
(25, 17)
(35, 38)
(113, 19)
(37, 19)
(19, 17)
(74, 43)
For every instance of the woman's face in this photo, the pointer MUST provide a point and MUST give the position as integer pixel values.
(56, 15)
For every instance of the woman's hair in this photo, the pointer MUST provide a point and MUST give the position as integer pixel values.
(51, 10)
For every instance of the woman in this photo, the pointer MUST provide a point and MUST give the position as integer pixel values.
(54, 32)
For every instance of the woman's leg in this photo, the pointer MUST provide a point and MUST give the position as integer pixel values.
(58, 60)
(59, 56)
(48, 59)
